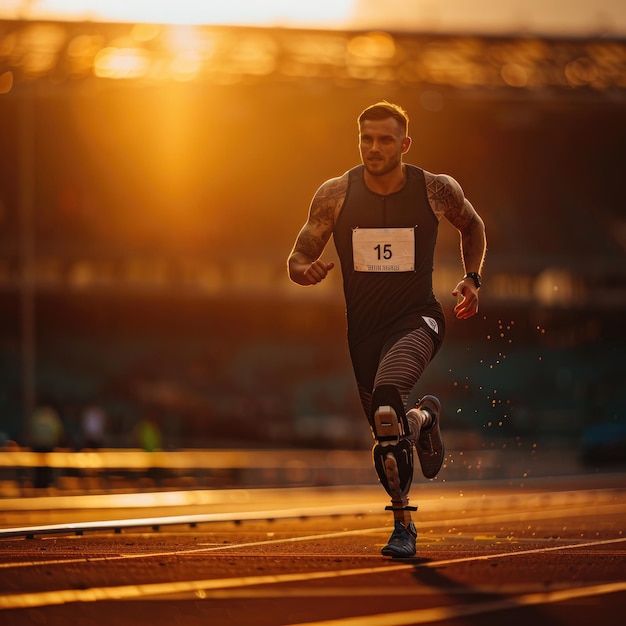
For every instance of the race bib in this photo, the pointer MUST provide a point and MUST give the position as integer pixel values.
(383, 249)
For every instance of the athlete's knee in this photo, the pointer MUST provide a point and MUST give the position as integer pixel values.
(387, 415)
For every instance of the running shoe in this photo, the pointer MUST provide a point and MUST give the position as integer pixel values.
(429, 446)
(401, 544)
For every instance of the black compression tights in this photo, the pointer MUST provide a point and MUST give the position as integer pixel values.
(402, 365)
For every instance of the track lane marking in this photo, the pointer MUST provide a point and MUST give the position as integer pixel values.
(351, 591)
(212, 548)
(497, 517)
(579, 511)
(564, 507)
(439, 614)
(186, 520)
(128, 592)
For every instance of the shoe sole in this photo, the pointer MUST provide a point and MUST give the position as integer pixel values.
(431, 459)
(394, 552)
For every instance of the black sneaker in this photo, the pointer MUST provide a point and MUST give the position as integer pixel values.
(402, 541)
(429, 446)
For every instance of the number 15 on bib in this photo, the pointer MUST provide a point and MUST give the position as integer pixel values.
(383, 249)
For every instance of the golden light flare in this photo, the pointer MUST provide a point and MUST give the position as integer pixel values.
(372, 46)
(114, 62)
(234, 12)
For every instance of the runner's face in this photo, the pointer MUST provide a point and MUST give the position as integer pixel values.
(382, 144)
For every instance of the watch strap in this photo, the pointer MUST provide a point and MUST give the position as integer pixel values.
(475, 276)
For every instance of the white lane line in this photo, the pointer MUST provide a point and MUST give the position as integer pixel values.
(487, 557)
(128, 592)
(570, 503)
(442, 613)
(527, 516)
(352, 591)
(187, 520)
(480, 516)
(211, 548)
(456, 523)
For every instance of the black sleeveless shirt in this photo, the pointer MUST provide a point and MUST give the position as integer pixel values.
(388, 301)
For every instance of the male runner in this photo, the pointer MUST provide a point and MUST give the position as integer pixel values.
(384, 216)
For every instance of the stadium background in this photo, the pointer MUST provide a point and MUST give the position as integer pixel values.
(147, 209)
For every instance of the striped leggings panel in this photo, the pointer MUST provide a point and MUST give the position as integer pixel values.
(402, 365)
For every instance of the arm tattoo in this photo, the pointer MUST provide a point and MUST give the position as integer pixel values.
(309, 245)
(317, 231)
(327, 199)
(447, 200)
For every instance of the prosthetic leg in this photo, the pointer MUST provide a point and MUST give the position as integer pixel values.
(393, 452)
(393, 460)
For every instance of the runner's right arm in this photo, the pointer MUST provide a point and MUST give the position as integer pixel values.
(304, 264)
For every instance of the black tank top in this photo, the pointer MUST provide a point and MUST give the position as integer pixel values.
(389, 300)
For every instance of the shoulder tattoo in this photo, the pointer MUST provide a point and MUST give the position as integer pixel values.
(327, 201)
(447, 200)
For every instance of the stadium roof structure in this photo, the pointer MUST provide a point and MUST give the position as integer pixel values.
(522, 46)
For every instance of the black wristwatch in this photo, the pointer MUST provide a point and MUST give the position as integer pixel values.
(475, 276)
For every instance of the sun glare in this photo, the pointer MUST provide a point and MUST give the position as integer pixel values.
(229, 12)
(120, 63)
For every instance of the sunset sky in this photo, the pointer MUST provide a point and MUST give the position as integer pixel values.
(556, 17)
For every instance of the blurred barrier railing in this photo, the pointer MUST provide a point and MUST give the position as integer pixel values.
(135, 459)
(113, 469)
(24, 472)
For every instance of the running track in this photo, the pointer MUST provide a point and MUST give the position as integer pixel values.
(541, 552)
